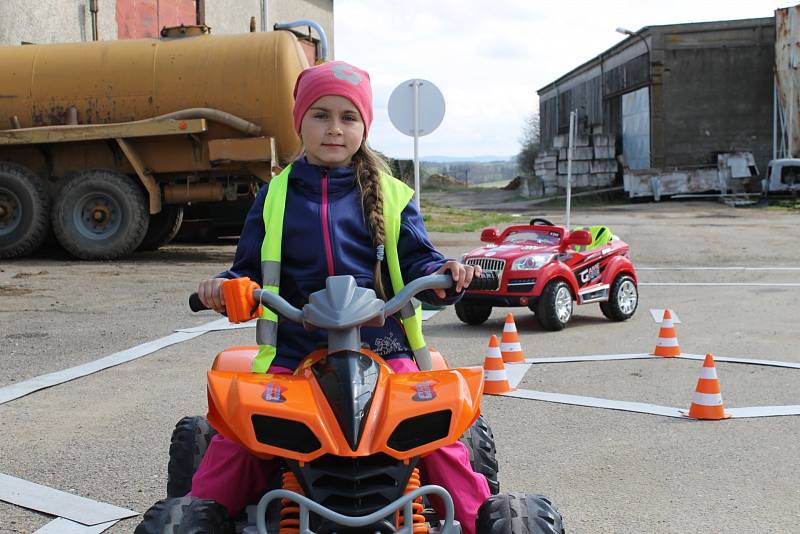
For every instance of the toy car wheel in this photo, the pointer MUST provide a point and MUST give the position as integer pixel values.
(189, 442)
(186, 514)
(519, 513)
(479, 441)
(472, 313)
(554, 306)
(622, 299)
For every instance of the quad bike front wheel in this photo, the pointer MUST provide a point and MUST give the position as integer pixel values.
(479, 441)
(186, 514)
(471, 313)
(519, 513)
(554, 306)
(187, 447)
(622, 299)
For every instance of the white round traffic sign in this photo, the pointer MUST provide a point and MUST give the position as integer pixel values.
(416, 107)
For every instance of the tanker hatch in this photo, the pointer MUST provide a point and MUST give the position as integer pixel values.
(176, 32)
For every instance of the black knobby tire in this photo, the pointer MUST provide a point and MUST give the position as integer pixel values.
(519, 513)
(186, 515)
(616, 310)
(24, 210)
(100, 215)
(547, 306)
(472, 313)
(479, 441)
(189, 442)
(163, 227)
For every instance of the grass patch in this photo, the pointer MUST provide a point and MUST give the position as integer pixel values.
(785, 205)
(452, 220)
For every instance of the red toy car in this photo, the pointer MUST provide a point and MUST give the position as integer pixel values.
(546, 268)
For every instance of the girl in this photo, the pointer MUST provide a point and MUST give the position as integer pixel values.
(340, 215)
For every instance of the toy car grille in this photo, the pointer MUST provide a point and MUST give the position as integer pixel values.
(488, 264)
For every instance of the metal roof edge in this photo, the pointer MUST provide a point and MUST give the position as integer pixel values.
(647, 31)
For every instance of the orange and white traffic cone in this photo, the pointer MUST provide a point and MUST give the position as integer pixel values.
(667, 344)
(510, 347)
(495, 379)
(707, 399)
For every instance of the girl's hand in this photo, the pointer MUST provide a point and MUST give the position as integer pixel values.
(210, 293)
(462, 275)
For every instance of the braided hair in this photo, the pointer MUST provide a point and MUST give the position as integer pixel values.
(367, 167)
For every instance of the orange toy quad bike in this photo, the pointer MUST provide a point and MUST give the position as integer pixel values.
(349, 431)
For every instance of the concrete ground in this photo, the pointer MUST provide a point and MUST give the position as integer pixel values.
(106, 436)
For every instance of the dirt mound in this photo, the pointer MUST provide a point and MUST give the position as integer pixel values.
(513, 184)
(444, 180)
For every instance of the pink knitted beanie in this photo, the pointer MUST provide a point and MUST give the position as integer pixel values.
(335, 78)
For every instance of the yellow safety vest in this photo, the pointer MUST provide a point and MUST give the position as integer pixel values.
(396, 196)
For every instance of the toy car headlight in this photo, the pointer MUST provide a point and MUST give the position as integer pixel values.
(529, 263)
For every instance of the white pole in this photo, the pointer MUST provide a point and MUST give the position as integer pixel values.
(416, 143)
(571, 142)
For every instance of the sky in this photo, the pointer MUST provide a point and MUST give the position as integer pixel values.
(489, 57)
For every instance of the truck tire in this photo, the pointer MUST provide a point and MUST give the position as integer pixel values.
(186, 514)
(519, 513)
(100, 215)
(187, 447)
(163, 227)
(554, 306)
(471, 313)
(623, 298)
(24, 210)
(479, 441)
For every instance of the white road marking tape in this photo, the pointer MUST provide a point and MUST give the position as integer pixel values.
(764, 411)
(594, 358)
(217, 325)
(719, 284)
(643, 356)
(427, 314)
(747, 361)
(718, 268)
(20, 389)
(59, 503)
(658, 316)
(65, 526)
(516, 372)
(639, 407)
(593, 402)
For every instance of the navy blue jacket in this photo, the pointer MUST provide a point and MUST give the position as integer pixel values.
(305, 264)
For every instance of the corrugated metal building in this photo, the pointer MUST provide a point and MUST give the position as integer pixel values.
(674, 95)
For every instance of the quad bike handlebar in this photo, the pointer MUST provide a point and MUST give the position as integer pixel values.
(486, 281)
(342, 308)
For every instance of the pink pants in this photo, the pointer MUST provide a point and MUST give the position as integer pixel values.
(232, 476)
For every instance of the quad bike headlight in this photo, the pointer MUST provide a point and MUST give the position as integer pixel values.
(531, 262)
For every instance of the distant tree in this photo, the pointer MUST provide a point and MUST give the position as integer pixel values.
(530, 142)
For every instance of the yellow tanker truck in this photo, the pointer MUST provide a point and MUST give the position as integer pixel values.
(108, 140)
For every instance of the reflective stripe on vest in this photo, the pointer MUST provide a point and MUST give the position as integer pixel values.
(267, 324)
(396, 196)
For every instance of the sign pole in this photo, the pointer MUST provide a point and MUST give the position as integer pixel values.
(416, 143)
(570, 143)
(416, 112)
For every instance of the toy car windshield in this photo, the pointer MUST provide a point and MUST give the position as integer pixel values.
(546, 237)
